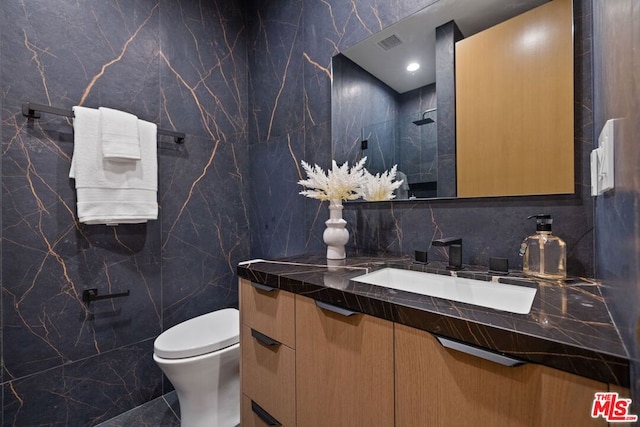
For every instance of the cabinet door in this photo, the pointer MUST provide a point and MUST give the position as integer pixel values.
(440, 387)
(344, 368)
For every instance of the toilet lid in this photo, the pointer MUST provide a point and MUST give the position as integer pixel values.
(200, 335)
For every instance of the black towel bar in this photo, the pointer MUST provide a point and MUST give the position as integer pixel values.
(89, 295)
(32, 111)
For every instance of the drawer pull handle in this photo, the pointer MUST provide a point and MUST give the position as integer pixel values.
(335, 309)
(263, 287)
(480, 352)
(263, 339)
(263, 415)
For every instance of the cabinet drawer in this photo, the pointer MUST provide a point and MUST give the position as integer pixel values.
(255, 417)
(270, 312)
(268, 376)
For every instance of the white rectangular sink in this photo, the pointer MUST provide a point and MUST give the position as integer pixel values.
(499, 296)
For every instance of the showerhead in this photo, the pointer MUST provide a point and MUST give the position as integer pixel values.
(425, 120)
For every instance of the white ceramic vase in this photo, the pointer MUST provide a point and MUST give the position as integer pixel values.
(336, 235)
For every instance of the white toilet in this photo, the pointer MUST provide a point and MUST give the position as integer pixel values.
(201, 358)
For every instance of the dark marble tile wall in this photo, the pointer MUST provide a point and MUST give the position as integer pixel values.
(380, 145)
(85, 392)
(205, 203)
(182, 65)
(276, 217)
(616, 44)
(418, 145)
(275, 69)
(360, 101)
(290, 49)
(489, 227)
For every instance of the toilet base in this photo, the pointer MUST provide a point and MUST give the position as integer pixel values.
(207, 387)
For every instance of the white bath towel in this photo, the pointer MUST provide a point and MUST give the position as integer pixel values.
(119, 133)
(113, 192)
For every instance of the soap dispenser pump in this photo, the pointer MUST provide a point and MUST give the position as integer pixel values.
(545, 255)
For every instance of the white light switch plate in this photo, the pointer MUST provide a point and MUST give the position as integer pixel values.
(602, 160)
(595, 160)
(606, 142)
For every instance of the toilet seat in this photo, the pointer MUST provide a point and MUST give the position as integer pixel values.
(200, 335)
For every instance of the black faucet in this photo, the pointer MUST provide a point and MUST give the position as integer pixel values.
(455, 251)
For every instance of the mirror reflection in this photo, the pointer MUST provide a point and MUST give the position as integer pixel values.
(410, 143)
(407, 117)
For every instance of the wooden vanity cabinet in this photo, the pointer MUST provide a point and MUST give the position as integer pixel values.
(441, 387)
(344, 368)
(356, 370)
(267, 338)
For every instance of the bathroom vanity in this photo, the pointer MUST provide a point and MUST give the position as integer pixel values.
(319, 348)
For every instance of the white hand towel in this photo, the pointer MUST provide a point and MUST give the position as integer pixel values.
(119, 133)
(86, 140)
(113, 192)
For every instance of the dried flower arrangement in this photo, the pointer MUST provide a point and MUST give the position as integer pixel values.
(344, 183)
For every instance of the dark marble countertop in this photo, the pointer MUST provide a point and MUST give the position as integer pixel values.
(569, 326)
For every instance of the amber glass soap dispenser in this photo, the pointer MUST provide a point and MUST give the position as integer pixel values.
(545, 255)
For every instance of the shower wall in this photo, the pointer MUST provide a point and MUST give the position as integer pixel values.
(182, 65)
(418, 145)
(359, 100)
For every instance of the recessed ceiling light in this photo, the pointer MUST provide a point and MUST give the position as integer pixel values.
(413, 66)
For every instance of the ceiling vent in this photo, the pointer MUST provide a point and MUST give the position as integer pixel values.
(390, 42)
